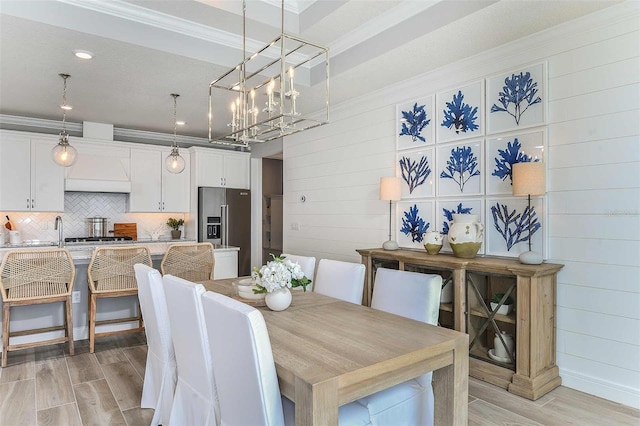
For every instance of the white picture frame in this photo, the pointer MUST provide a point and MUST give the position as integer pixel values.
(502, 151)
(425, 211)
(503, 113)
(455, 206)
(415, 134)
(463, 125)
(497, 240)
(411, 166)
(449, 159)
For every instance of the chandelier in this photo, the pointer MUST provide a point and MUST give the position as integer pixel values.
(269, 94)
(64, 154)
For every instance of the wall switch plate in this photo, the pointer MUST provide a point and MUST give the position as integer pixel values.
(295, 226)
(75, 297)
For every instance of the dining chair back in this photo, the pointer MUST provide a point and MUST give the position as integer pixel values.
(160, 372)
(342, 280)
(244, 368)
(416, 296)
(30, 277)
(110, 274)
(193, 262)
(307, 264)
(196, 400)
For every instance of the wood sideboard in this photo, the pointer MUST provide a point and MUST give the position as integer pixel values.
(532, 371)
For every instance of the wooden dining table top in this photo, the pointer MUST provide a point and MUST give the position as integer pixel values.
(335, 352)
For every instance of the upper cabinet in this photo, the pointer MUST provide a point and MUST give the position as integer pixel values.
(153, 187)
(29, 178)
(217, 168)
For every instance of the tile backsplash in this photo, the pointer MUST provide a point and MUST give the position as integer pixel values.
(81, 205)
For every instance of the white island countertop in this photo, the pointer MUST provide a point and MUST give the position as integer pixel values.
(81, 252)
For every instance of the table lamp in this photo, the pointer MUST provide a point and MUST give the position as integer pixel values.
(529, 179)
(390, 190)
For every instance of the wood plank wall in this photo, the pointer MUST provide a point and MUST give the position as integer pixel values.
(593, 184)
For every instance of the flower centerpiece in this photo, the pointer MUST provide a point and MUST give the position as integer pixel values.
(276, 278)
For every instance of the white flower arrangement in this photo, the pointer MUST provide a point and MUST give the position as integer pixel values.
(279, 273)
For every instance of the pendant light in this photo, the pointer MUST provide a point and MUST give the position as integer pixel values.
(64, 154)
(174, 162)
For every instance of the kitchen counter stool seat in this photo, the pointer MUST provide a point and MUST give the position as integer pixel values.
(192, 262)
(111, 274)
(30, 277)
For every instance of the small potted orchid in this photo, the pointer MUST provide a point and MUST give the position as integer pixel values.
(276, 278)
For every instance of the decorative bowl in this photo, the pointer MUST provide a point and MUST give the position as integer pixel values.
(245, 287)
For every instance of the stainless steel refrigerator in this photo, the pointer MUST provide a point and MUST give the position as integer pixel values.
(224, 217)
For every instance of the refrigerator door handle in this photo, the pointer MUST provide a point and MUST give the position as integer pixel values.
(224, 210)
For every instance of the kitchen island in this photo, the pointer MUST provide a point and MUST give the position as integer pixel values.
(48, 315)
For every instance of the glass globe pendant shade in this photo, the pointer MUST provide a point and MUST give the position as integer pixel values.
(174, 162)
(64, 154)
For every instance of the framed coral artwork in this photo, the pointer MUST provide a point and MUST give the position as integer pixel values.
(507, 226)
(415, 124)
(445, 209)
(460, 113)
(417, 170)
(517, 99)
(504, 151)
(414, 218)
(460, 169)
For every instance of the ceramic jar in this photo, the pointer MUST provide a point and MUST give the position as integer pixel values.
(499, 349)
(465, 235)
(278, 300)
(433, 242)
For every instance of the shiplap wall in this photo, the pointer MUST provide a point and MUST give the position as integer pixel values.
(593, 184)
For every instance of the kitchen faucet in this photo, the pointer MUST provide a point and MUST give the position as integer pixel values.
(58, 226)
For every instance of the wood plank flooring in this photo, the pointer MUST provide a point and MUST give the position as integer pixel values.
(46, 386)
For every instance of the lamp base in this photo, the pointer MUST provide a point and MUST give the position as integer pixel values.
(390, 245)
(530, 258)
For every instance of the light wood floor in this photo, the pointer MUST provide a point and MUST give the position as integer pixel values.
(46, 386)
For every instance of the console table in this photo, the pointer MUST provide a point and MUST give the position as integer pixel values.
(531, 371)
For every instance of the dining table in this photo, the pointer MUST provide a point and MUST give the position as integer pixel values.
(329, 352)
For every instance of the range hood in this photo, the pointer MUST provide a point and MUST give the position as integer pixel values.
(99, 173)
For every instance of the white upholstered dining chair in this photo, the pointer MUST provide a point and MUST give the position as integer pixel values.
(342, 280)
(244, 368)
(416, 296)
(307, 264)
(160, 372)
(195, 401)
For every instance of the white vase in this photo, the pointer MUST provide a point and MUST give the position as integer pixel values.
(278, 300)
(465, 235)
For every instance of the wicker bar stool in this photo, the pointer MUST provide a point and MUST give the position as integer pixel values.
(111, 274)
(33, 277)
(192, 262)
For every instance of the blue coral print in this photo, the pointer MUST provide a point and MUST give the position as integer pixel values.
(509, 157)
(518, 94)
(460, 116)
(461, 166)
(413, 224)
(414, 173)
(448, 214)
(514, 226)
(414, 121)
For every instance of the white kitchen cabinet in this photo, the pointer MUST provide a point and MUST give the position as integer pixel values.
(153, 187)
(226, 264)
(221, 169)
(29, 178)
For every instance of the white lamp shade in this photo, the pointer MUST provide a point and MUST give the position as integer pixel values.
(528, 178)
(390, 188)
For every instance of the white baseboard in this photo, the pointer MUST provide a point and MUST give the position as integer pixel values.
(607, 390)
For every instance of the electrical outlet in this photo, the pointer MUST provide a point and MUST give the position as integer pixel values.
(75, 297)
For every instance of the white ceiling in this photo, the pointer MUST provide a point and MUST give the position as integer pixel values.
(146, 50)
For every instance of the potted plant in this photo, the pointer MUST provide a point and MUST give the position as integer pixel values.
(175, 225)
(506, 307)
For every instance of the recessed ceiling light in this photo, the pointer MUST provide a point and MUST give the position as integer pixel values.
(83, 54)
(181, 123)
(66, 107)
